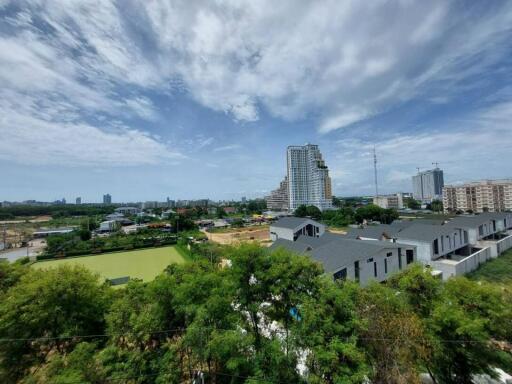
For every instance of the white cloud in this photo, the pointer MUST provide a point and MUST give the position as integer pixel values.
(471, 149)
(230, 147)
(292, 58)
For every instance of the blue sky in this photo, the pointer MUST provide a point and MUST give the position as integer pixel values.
(199, 99)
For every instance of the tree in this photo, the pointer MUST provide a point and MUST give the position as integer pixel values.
(462, 324)
(308, 211)
(220, 212)
(412, 203)
(437, 206)
(394, 336)
(372, 212)
(54, 303)
(328, 328)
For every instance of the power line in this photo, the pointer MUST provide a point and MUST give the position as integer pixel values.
(174, 330)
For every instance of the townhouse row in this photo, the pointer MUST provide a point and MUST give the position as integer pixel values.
(450, 248)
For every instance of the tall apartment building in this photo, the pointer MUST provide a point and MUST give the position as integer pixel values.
(107, 199)
(278, 199)
(308, 178)
(479, 196)
(428, 185)
(78, 201)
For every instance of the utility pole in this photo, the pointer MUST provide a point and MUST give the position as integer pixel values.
(375, 172)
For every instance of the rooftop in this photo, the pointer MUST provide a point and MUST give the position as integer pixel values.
(290, 222)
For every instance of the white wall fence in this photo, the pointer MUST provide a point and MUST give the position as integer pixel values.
(504, 244)
(468, 264)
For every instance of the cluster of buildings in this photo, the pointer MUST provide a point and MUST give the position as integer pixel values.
(450, 248)
(307, 181)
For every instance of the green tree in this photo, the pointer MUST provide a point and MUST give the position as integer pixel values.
(462, 324)
(328, 328)
(412, 203)
(55, 304)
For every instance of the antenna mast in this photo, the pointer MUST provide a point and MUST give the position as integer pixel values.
(375, 172)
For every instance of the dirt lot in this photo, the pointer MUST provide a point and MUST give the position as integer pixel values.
(238, 235)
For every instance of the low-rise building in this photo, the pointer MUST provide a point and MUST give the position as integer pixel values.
(389, 201)
(127, 210)
(345, 258)
(290, 228)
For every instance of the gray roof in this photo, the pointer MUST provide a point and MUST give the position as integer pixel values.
(373, 232)
(468, 221)
(495, 215)
(342, 251)
(294, 246)
(424, 232)
(334, 251)
(290, 222)
(316, 242)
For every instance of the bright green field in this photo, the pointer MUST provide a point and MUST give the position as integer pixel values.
(143, 264)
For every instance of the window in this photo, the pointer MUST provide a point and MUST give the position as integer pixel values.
(375, 269)
(399, 258)
(436, 247)
(370, 260)
(389, 254)
(341, 274)
(356, 270)
(409, 255)
(386, 266)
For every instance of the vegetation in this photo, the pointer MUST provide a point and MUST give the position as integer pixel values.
(144, 264)
(250, 322)
(497, 270)
(56, 211)
(412, 203)
(347, 215)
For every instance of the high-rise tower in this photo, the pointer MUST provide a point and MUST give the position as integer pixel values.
(308, 178)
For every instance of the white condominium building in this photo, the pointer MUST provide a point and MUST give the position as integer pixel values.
(479, 196)
(308, 178)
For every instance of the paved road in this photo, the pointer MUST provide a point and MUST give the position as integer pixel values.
(18, 253)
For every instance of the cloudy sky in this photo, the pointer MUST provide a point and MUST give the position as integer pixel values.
(195, 99)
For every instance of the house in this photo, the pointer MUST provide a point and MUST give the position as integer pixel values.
(290, 228)
(434, 241)
(345, 258)
(108, 226)
(127, 210)
(478, 227)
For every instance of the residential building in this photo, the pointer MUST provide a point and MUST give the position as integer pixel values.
(428, 185)
(108, 226)
(127, 210)
(278, 199)
(389, 201)
(107, 199)
(345, 258)
(478, 196)
(290, 228)
(308, 178)
(78, 201)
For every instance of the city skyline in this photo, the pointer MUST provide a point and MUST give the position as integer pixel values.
(200, 100)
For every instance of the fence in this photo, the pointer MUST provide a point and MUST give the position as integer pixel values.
(504, 244)
(457, 268)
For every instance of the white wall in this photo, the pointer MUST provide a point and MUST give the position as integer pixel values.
(366, 269)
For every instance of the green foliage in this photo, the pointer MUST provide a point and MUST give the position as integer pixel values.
(308, 211)
(373, 212)
(338, 218)
(54, 303)
(250, 322)
(56, 211)
(498, 270)
(411, 203)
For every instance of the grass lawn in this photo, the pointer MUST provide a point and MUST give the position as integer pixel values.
(497, 270)
(143, 264)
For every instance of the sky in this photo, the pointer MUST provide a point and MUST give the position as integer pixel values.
(199, 99)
